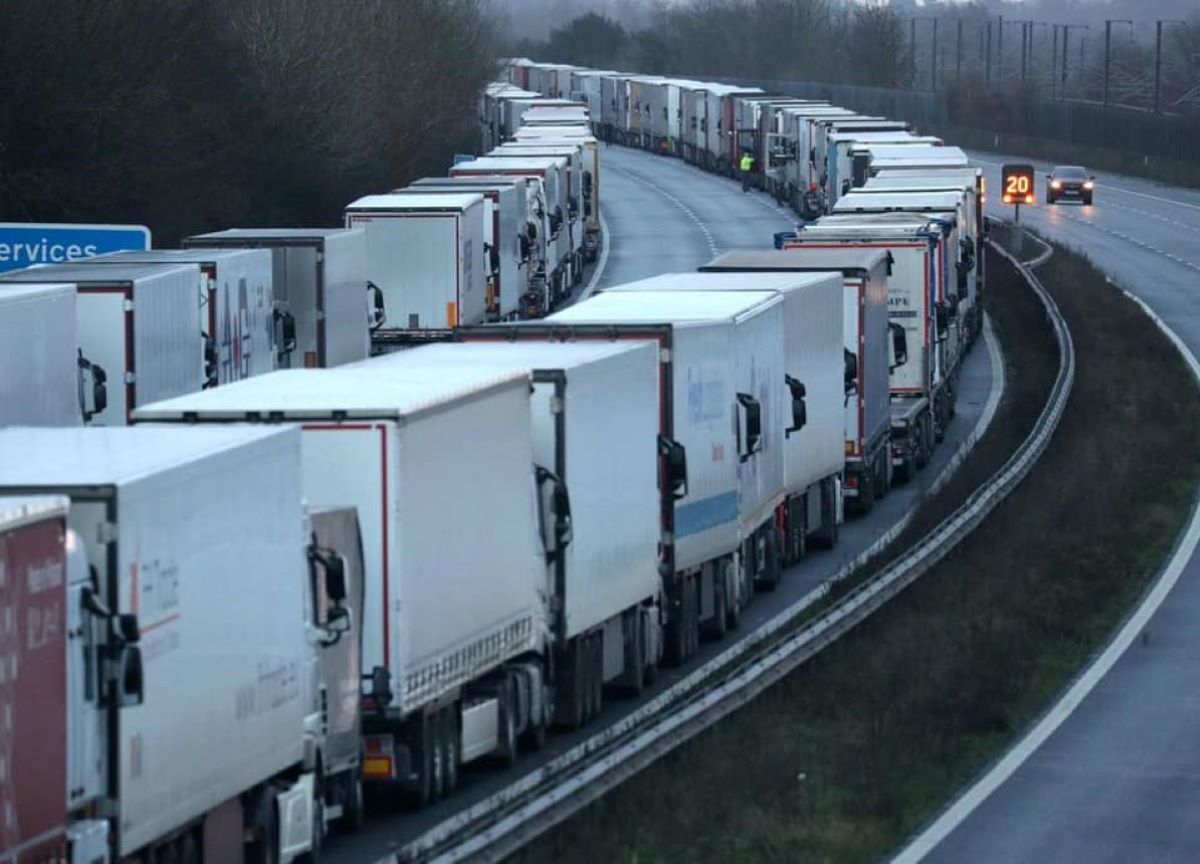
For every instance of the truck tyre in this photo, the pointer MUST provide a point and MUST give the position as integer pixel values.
(451, 742)
(507, 747)
(265, 849)
(768, 577)
(189, 849)
(694, 630)
(866, 492)
(574, 713)
(883, 473)
(354, 811)
(437, 734)
(635, 651)
(313, 855)
(596, 678)
(425, 789)
(675, 635)
(715, 629)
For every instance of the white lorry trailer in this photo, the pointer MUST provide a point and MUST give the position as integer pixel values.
(591, 169)
(323, 305)
(868, 348)
(426, 253)
(843, 171)
(580, 170)
(972, 226)
(812, 435)
(951, 207)
(548, 206)
(140, 323)
(454, 623)
(193, 696)
(236, 308)
(42, 371)
(506, 243)
(922, 387)
(594, 414)
(714, 417)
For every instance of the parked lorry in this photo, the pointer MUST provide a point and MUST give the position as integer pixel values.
(237, 312)
(811, 412)
(719, 417)
(33, 692)
(953, 208)
(175, 750)
(591, 165)
(324, 307)
(580, 166)
(140, 323)
(453, 629)
(970, 182)
(868, 347)
(548, 206)
(42, 370)
(594, 414)
(426, 253)
(923, 386)
(848, 159)
(507, 247)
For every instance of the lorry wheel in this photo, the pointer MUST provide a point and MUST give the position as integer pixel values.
(883, 480)
(715, 629)
(597, 674)
(265, 849)
(354, 811)
(438, 741)
(450, 740)
(674, 637)
(694, 628)
(635, 652)
(507, 749)
(576, 710)
(189, 849)
(866, 492)
(425, 791)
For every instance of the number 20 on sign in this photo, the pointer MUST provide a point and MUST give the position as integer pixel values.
(1016, 184)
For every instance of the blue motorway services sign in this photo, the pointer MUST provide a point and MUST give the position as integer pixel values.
(23, 244)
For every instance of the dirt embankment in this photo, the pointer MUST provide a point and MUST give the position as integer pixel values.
(841, 761)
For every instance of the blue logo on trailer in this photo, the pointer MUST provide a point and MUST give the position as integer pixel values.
(23, 244)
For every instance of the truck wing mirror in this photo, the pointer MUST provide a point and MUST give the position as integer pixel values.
(285, 333)
(131, 678)
(899, 345)
(850, 374)
(799, 407)
(676, 466)
(126, 629)
(335, 578)
(942, 319)
(751, 442)
(554, 512)
(211, 361)
(97, 391)
(378, 308)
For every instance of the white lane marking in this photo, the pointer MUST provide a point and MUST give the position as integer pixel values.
(691, 214)
(1117, 189)
(605, 239)
(1123, 236)
(934, 834)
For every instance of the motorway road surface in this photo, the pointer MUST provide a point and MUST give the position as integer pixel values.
(1119, 780)
(666, 216)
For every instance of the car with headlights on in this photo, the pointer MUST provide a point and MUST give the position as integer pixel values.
(1069, 182)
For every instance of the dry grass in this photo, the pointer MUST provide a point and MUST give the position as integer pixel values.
(847, 756)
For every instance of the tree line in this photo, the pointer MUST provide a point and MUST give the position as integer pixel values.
(824, 40)
(195, 115)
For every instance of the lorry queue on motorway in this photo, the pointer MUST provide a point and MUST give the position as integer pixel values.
(291, 514)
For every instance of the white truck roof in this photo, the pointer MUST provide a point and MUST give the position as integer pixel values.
(266, 236)
(111, 455)
(416, 202)
(86, 272)
(852, 220)
(799, 259)
(198, 255)
(725, 280)
(858, 200)
(491, 164)
(899, 137)
(661, 306)
(18, 510)
(527, 355)
(298, 394)
(19, 292)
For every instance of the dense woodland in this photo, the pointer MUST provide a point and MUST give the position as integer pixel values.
(191, 115)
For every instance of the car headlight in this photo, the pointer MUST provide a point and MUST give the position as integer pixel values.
(1088, 184)
(1055, 184)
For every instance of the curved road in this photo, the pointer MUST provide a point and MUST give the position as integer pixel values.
(666, 216)
(1119, 779)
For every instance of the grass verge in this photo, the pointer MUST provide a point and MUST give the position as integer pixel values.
(846, 757)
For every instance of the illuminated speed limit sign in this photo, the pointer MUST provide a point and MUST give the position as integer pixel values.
(1016, 184)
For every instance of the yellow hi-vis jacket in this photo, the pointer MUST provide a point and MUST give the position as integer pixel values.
(747, 162)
